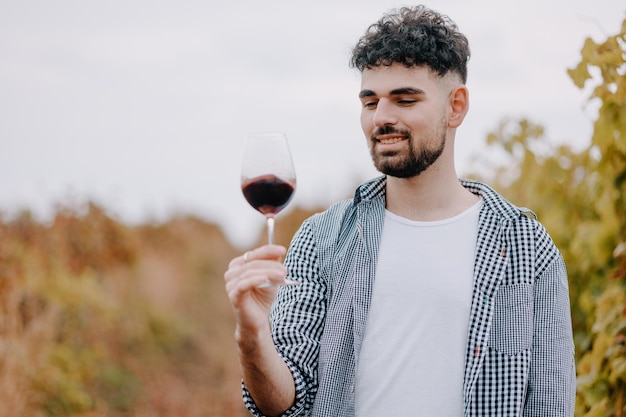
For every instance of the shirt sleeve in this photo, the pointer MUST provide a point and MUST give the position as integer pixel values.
(297, 321)
(552, 382)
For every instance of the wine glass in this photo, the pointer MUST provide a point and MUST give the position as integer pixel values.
(268, 178)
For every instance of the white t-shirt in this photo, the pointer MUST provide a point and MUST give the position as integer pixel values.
(412, 359)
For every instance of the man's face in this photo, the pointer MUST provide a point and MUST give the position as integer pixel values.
(404, 116)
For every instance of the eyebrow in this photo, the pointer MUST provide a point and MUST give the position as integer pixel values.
(397, 92)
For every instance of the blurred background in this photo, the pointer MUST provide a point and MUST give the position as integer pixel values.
(121, 133)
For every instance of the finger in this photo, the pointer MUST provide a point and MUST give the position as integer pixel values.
(237, 266)
(265, 252)
(254, 279)
(274, 252)
(268, 269)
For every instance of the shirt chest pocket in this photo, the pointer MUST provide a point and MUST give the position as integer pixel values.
(512, 325)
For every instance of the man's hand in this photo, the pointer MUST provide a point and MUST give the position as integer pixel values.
(251, 284)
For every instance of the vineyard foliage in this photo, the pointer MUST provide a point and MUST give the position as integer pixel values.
(581, 198)
(98, 318)
(102, 319)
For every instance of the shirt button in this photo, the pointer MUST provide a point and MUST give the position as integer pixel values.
(352, 388)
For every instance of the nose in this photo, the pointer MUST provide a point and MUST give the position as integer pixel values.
(384, 114)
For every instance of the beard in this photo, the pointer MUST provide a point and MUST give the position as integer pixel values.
(406, 164)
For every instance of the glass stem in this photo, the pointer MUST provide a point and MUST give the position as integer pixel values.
(270, 230)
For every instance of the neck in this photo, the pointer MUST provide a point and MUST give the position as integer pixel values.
(434, 194)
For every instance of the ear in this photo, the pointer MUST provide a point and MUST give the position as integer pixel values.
(459, 106)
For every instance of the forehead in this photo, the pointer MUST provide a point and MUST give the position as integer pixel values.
(383, 79)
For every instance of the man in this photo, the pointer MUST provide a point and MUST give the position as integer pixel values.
(424, 295)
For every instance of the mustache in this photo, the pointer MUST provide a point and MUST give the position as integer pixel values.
(388, 130)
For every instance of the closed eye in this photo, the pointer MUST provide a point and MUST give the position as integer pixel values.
(370, 104)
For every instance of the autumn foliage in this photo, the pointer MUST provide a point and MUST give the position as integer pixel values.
(102, 319)
(581, 198)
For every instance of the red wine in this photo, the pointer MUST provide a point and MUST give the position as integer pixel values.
(268, 194)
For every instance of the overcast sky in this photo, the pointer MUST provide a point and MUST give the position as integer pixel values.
(143, 106)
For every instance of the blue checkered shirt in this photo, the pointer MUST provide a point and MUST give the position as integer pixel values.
(520, 351)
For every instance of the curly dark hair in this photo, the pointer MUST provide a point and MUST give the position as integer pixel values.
(415, 36)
